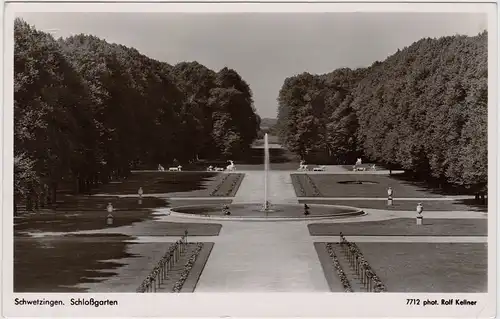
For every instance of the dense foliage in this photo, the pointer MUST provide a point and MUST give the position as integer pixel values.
(86, 111)
(423, 109)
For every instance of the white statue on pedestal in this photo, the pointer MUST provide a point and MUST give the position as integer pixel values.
(420, 218)
(302, 166)
(231, 166)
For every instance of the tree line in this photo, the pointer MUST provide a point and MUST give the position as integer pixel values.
(87, 111)
(423, 109)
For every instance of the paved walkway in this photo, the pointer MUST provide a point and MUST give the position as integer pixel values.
(280, 188)
(326, 239)
(263, 257)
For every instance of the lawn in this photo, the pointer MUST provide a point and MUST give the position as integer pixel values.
(408, 205)
(73, 263)
(159, 228)
(404, 227)
(76, 262)
(331, 185)
(52, 264)
(78, 220)
(162, 182)
(429, 267)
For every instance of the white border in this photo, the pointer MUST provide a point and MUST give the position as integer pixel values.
(249, 305)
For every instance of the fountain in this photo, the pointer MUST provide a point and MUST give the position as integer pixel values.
(262, 210)
(266, 173)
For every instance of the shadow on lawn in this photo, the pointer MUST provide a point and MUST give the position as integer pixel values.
(159, 182)
(473, 204)
(57, 264)
(444, 190)
(431, 186)
(79, 213)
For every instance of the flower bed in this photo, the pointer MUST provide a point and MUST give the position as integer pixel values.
(159, 269)
(305, 186)
(187, 268)
(340, 272)
(316, 191)
(235, 180)
(299, 188)
(218, 186)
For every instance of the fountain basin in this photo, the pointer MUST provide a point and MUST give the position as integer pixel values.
(277, 212)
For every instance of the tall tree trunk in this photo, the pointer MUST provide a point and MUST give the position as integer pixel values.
(37, 201)
(54, 192)
(29, 202)
(87, 185)
(76, 185)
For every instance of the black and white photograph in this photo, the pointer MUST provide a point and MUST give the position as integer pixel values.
(180, 153)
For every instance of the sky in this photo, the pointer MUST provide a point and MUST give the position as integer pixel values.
(264, 48)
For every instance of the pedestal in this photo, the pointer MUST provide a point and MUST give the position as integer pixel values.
(420, 220)
(389, 202)
(109, 220)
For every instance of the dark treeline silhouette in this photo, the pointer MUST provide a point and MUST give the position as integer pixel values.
(87, 111)
(423, 109)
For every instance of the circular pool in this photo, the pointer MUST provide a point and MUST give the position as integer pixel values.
(276, 212)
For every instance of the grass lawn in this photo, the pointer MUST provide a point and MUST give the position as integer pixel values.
(80, 263)
(52, 264)
(162, 182)
(330, 187)
(431, 205)
(429, 267)
(56, 221)
(71, 203)
(82, 213)
(404, 227)
(159, 228)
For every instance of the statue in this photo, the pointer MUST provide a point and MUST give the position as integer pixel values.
(302, 166)
(306, 209)
(231, 166)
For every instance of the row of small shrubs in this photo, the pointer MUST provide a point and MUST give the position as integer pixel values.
(235, 182)
(187, 268)
(340, 272)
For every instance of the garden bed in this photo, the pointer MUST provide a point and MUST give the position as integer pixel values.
(228, 185)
